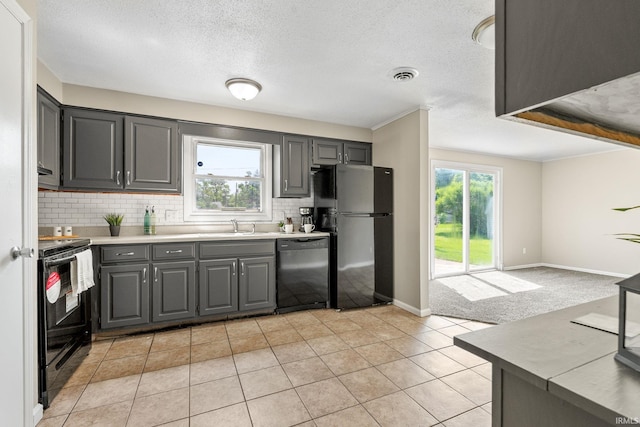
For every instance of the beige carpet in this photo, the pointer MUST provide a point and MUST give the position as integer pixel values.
(500, 297)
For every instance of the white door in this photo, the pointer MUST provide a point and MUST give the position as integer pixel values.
(17, 287)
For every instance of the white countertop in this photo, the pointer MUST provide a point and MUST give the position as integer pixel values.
(199, 237)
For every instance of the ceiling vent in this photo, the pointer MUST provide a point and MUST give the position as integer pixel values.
(403, 74)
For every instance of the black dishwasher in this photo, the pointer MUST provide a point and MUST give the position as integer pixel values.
(303, 273)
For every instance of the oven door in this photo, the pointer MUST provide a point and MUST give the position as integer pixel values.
(64, 326)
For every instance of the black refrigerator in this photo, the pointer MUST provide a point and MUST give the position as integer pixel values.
(355, 204)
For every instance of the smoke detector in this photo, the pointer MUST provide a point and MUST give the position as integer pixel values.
(403, 74)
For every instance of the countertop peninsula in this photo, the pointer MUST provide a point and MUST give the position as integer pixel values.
(550, 371)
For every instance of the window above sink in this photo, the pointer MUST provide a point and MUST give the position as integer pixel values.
(226, 179)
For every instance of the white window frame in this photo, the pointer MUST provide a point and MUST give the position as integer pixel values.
(191, 214)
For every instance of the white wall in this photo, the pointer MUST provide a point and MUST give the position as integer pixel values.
(403, 146)
(521, 203)
(578, 222)
(138, 104)
(49, 82)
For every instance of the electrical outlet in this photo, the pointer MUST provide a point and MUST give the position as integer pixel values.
(170, 215)
(524, 251)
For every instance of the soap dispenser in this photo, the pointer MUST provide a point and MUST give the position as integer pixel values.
(147, 221)
(153, 220)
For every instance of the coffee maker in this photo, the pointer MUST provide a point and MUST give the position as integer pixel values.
(306, 217)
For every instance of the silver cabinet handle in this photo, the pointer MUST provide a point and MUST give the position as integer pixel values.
(128, 177)
(125, 254)
(144, 275)
(17, 252)
(242, 268)
(118, 177)
(155, 274)
(339, 157)
(233, 268)
(178, 251)
(286, 184)
(346, 158)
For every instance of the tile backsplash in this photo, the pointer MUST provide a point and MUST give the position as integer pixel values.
(87, 209)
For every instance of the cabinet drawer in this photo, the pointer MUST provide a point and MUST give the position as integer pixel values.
(124, 253)
(237, 249)
(174, 251)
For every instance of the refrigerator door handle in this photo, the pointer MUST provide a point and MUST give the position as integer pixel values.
(357, 215)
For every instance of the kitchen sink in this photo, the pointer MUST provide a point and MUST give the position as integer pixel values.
(240, 233)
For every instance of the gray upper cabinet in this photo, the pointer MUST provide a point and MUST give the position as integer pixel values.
(48, 140)
(109, 151)
(357, 153)
(152, 155)
(291, 167)
(327, 152)
(92, 150)
(333, 152)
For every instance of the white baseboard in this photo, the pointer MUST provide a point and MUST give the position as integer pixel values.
(411, 309)
(586, 270)
(566, 267)
(38, 413)
(519, 267)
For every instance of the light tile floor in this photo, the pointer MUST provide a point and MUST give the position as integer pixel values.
(379, 366)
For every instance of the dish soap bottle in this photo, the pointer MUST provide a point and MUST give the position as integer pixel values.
(152, 222)
(147, 221)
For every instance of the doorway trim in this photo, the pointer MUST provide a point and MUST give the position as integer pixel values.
(467, 167)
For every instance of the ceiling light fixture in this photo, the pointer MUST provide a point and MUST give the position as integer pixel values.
(243, 89)
(485, 33)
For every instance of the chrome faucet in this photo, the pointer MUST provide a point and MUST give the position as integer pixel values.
(235, 225)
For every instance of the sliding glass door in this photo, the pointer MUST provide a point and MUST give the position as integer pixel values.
(464, 236)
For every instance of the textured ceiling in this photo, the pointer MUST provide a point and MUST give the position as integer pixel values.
(323, 60)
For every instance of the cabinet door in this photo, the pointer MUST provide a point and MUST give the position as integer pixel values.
(152, 155)
(295, 169)
(92, 152)
(174, 290)
(257, 284)
(124, 291)
(218, 286)
(357, 153)
(326, 152)
(48, 141)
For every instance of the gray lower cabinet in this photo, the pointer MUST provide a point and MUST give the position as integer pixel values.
(291, 166)
(174, 290)
(333, 152)
(237, 277)
(48, 140)
(218, 286)
(161, 282)
(124, 292)
(256, 288)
